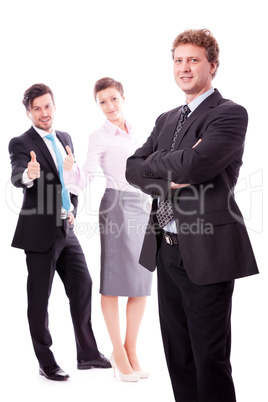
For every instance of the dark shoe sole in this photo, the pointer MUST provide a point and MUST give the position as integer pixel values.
(88, 367)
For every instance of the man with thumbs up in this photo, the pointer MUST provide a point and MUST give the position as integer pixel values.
(45, 231)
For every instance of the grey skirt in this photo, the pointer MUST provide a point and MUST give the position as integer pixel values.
(123, 219)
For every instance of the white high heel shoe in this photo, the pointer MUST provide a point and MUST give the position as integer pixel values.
(142, 374)
(124, 377)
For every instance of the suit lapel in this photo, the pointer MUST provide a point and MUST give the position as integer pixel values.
(39, 142)
(210, 102)
(164, 140)
(62, 139)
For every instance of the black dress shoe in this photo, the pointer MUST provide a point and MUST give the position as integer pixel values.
(99, 362)
(53, 372)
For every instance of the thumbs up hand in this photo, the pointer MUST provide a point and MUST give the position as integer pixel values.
(69, 160)
(33, 167)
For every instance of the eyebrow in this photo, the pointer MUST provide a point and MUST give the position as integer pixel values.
(187, 57)
(47, 104)
(109, 97)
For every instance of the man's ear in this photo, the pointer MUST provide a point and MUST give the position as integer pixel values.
(213, 68)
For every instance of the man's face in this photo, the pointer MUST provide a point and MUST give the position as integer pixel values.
(192, 71)
(42, 112)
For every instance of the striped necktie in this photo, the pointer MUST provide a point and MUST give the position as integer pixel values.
(64, 193)
(165, 211)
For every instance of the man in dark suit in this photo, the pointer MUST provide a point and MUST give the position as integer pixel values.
(45, 232)
(196, 235)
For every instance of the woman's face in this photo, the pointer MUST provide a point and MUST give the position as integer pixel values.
(111, 103)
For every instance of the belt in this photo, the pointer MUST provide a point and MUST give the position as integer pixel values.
(170, 238)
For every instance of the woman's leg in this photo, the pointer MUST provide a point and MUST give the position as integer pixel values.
(110, 312)
(135, 311)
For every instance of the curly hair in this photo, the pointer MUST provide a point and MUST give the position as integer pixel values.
(201, 38)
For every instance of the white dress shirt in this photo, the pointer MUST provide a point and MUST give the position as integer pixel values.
(25, 179)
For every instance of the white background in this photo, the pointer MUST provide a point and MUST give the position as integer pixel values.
(68, 45)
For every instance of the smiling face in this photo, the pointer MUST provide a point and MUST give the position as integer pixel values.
(41, 112)
(111, 103)
(192, 70)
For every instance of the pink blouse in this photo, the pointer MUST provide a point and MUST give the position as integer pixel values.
(108, 147)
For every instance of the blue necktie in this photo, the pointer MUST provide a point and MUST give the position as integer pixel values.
(64, 193)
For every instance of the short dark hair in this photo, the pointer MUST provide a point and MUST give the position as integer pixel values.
(105, 83)
(33, 92)
(201, 38)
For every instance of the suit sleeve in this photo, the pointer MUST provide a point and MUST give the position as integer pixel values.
(222, 143)
(19, 157)
(141, 176)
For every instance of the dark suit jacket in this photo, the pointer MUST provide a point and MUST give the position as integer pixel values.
(214, 243)
(41, 208)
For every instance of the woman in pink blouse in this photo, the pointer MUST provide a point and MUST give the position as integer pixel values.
(123, 218)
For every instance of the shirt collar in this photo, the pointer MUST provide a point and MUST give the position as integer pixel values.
(114, 130)
(43, 133)
(196, 102)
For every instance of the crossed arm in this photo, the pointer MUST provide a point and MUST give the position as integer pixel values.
(156, 171)
(175, 186)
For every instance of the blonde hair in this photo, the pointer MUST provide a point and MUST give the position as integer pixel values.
(201, 38)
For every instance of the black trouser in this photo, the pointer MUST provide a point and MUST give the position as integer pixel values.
(67, 258)
(196, 331)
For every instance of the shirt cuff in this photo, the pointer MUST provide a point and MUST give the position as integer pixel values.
(25, 179)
